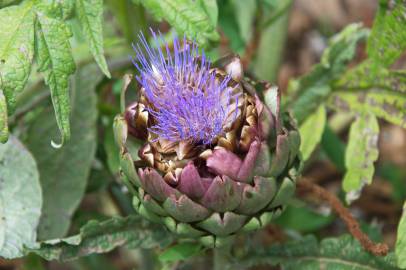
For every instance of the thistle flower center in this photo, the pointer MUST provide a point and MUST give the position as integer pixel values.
(186, 99)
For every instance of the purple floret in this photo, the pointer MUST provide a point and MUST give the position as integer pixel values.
(188, 101)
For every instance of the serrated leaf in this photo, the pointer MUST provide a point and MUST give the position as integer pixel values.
(64, 172)
(401, 240)
(90, 15)
(343, 253)
(388, 37)
(100, 237)
(3, 119)
(360, 155)
(182, 251)
(311, 131)
(186, 16)
(55, 59)
(312, 89)
(16, 50)
(363, 78)
(245, 15)
(388, 105)
(20, 199)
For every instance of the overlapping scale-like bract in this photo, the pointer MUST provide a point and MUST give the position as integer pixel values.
(237, 179)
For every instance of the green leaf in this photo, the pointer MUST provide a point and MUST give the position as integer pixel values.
(363, 78)
(3, 119)
(211, 9)
(32, 261)
(311, 131)
(100, 237)
(245, 15)
(401, 240)
(360, 155)
(112, 151)
(54, 58)
(64, 172)
(388, 37)
(388, 105)
(90, 15)
(310, 221)
(130, 17)
(278, 9)
(228, 24)
(334, 148)
(272, 44)
(343, 253)
(186, 16)
(16, 50)
(67, 7)
(312, 89)
(20, 199)
(396, 176)
(182, 251)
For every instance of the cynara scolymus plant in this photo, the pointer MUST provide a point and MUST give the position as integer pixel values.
(206, 150)
(216, 159)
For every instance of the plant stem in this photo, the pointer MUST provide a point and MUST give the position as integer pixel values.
(221, 257)
(377, 249)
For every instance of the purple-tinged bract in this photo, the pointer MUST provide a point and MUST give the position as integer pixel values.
(187, 100)
(215, 159)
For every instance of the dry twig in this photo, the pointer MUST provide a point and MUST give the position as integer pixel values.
(378, 249)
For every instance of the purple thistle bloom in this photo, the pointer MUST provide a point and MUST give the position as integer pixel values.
(187, 100)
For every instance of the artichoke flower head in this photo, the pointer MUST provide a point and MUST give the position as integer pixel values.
(215, 159)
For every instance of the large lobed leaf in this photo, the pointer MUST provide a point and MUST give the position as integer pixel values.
(343, 253)
(38, 28)
(388, 37)
(315, 87)
(64, 172)
(401, 240)
(187, 17)
(16, 50)
(20, 199)
(388, 105)
(55, 59)
(100, 237)
(363, 78)
(90, 15)
(360, 155)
